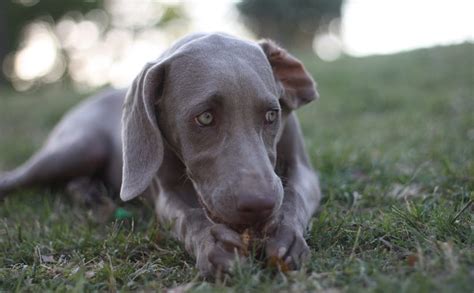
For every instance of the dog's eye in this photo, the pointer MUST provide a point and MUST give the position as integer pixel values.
(271, 116)
(204, 119)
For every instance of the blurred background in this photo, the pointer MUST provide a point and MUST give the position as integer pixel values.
(92, 43)
(392, 137)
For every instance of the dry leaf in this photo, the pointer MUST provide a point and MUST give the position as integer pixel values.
(412, 259)
(181, 288)
(47, 259)
(406, 191)
(278, 263)
(246, 238)
(89, 274)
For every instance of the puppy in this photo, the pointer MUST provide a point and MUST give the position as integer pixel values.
(208, 131)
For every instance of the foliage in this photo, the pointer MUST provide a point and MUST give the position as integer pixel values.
(16, 15)
(292, 23)
(392, 140)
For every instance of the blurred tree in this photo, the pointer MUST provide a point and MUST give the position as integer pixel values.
(16, 14)
(292, 23)
(129, 17)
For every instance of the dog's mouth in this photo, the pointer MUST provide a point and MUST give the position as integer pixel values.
(238, 227)
(214, 218)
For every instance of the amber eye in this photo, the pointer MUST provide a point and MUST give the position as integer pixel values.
(204, 119)
(271, 116)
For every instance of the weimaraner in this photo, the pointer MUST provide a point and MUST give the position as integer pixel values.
(208, 131)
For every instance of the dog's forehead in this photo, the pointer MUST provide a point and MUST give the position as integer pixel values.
(220, 46)
(220, 64)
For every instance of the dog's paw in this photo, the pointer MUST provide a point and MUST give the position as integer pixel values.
(286, 248)
(220, 249)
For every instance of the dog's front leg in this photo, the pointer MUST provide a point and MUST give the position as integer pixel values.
(286, 231)
(302, 195)
(215, 246)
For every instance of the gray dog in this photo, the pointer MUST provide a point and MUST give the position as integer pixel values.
(208, 131)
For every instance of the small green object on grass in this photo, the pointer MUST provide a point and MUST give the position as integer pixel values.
(122, 214)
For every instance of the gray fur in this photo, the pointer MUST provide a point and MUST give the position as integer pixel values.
(210, 182)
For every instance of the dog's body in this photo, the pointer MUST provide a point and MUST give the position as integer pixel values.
(208, 131)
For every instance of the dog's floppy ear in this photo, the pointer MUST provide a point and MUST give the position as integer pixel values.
(141, 138)
(298, 85)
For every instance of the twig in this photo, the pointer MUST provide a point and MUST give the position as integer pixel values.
(461, 211)
(356, 243)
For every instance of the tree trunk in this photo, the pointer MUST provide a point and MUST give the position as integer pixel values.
(290, 38)
(3, 41)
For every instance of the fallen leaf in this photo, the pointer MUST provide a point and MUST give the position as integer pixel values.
(47, 259)
(89, 274)
(412, 259)
(405, 191)
(278, 263)
(246, 238)
(180, 289)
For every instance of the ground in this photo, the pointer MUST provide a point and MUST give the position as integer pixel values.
(393, 141)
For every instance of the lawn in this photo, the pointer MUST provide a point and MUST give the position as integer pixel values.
(392, 138)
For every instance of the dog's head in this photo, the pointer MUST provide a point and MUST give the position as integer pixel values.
(219, 103)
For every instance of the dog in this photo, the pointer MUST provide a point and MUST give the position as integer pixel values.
(208, 131)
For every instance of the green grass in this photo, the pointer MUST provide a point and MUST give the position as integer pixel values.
(392, 138)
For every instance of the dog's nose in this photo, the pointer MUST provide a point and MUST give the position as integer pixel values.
(255, 208)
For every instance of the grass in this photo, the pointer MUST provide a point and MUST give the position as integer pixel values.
(392, 138)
